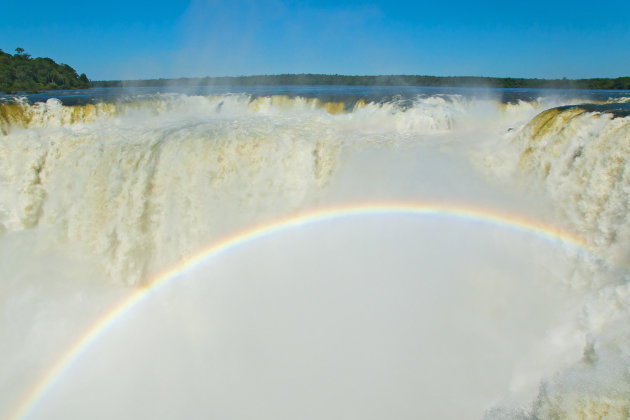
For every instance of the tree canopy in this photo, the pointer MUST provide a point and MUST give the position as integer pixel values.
(22, 73)
(621, 83)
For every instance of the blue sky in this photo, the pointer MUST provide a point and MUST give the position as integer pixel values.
(117, 39)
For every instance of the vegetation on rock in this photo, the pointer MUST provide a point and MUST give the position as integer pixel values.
(22, 73)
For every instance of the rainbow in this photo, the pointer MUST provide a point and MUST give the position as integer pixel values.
(461, 212)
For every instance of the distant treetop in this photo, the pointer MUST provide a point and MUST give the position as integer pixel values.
(620, 83)
(22, 73)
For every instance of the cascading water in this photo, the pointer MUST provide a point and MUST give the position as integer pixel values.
(366, 316)
(577, 155)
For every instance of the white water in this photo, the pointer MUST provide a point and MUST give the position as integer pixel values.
(367, 318)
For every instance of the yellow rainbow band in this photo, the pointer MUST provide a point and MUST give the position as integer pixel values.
(458, 211)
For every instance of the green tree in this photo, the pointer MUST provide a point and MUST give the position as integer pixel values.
(20, 72)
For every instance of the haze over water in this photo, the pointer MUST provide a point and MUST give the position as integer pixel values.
(370, 315)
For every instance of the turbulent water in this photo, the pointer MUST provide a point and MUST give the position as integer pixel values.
(366, 316)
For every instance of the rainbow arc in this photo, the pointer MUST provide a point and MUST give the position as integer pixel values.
(463, 213)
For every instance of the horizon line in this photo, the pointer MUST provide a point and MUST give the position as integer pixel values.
(561, 79)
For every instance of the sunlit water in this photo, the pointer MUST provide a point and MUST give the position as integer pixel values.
(366, 316)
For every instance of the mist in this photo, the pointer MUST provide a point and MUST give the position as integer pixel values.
(365, 316)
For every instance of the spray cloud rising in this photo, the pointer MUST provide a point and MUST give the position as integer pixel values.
(366, 316)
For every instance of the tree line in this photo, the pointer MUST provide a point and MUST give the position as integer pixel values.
(22, 73)
(620, 83)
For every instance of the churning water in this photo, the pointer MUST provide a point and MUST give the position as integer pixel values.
(326, 253)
